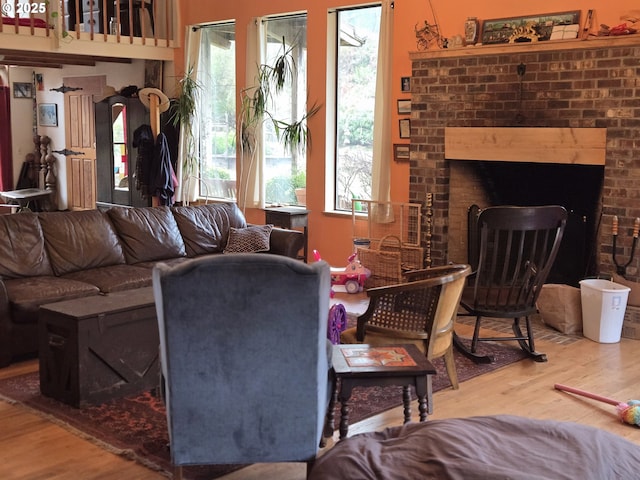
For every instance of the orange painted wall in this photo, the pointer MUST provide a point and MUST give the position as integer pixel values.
(331, 233)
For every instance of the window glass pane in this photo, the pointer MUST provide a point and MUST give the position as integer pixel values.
(355, 93)
(217, 111)
(285, 170)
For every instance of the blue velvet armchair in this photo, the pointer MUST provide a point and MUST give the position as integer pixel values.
(244, 352)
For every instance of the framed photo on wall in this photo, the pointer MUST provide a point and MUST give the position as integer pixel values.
(405, 84)
(404, 106)
(401, 152)
(48, 115)
(405, 128)
(22, 90)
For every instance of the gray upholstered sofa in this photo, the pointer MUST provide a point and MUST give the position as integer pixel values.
(53, 256)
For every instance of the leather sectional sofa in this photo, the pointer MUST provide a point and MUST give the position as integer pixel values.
(53, 256)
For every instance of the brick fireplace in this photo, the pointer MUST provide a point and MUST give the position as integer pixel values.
(590, 84)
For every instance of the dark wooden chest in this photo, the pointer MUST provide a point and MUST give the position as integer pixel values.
(98, 348)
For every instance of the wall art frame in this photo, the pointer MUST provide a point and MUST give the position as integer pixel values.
(405, 84)
(48, 114)
(401, 152)
(531, 28)
(404, 106)
(22, 90)
(405, 127)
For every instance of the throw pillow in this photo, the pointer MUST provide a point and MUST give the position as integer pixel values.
(249, 240)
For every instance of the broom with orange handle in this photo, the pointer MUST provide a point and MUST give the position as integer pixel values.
(629, 412)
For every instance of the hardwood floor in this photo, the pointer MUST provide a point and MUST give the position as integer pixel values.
(35, 448)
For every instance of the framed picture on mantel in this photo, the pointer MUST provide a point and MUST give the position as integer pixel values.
(533, 28)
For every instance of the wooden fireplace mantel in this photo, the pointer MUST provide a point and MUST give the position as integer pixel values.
(576, 146)
(516, 48)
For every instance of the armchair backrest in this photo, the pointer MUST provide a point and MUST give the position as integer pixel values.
(244, 357)
(517, 248)
(424, 308)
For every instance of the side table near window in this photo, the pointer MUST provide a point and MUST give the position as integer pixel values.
(290, 217)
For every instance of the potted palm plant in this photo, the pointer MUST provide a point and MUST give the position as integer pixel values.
(182, 116)
(256, 110)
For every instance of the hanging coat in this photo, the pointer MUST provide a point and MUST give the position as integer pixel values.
(145, 171)
(162, 183)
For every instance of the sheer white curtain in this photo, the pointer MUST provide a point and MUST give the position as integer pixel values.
(252, 185)
(381, 168)
(187, 188)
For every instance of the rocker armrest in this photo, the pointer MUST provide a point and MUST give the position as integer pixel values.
(286, 242)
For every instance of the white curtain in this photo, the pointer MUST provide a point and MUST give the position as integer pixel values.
(186, 190)
(252, 185)
(381, 168)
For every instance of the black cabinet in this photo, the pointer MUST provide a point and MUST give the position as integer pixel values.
(117, 118)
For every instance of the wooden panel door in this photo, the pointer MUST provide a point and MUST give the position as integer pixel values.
(80, 136)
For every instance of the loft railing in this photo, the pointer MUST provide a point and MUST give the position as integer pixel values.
(146, 22)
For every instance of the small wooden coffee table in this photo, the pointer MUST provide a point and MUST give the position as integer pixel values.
(361, 365)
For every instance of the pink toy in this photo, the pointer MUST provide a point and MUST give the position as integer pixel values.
(352, 276)
(629, 411)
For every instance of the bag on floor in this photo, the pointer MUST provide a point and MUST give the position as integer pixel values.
(561, 308)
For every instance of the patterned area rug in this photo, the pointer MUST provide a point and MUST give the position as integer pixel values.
(135, 426)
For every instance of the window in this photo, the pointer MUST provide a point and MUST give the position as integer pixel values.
(217, 111)
(285, 169)
(356, 37)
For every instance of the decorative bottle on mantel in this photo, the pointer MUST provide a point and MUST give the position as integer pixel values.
(471, 30)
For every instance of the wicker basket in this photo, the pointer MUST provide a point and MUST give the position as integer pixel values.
(388, 259)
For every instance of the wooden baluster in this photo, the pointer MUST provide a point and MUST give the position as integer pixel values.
(167, 18)
(117, 17)
(105, 21)
(50, 182)
(91, 11)
(45, 142)
(154, 7)
(78, 19)
(131, 21)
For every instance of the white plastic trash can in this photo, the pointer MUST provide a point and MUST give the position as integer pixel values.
(603, 305)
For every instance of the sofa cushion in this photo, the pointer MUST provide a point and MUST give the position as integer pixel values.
(22, 250)
(148, 233)
(170, 261)
(205, 228)
(249, 240)
(114, 278)
(26, 295)
(80, 240)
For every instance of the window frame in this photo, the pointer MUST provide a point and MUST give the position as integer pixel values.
(332, 126)
(227, 187)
